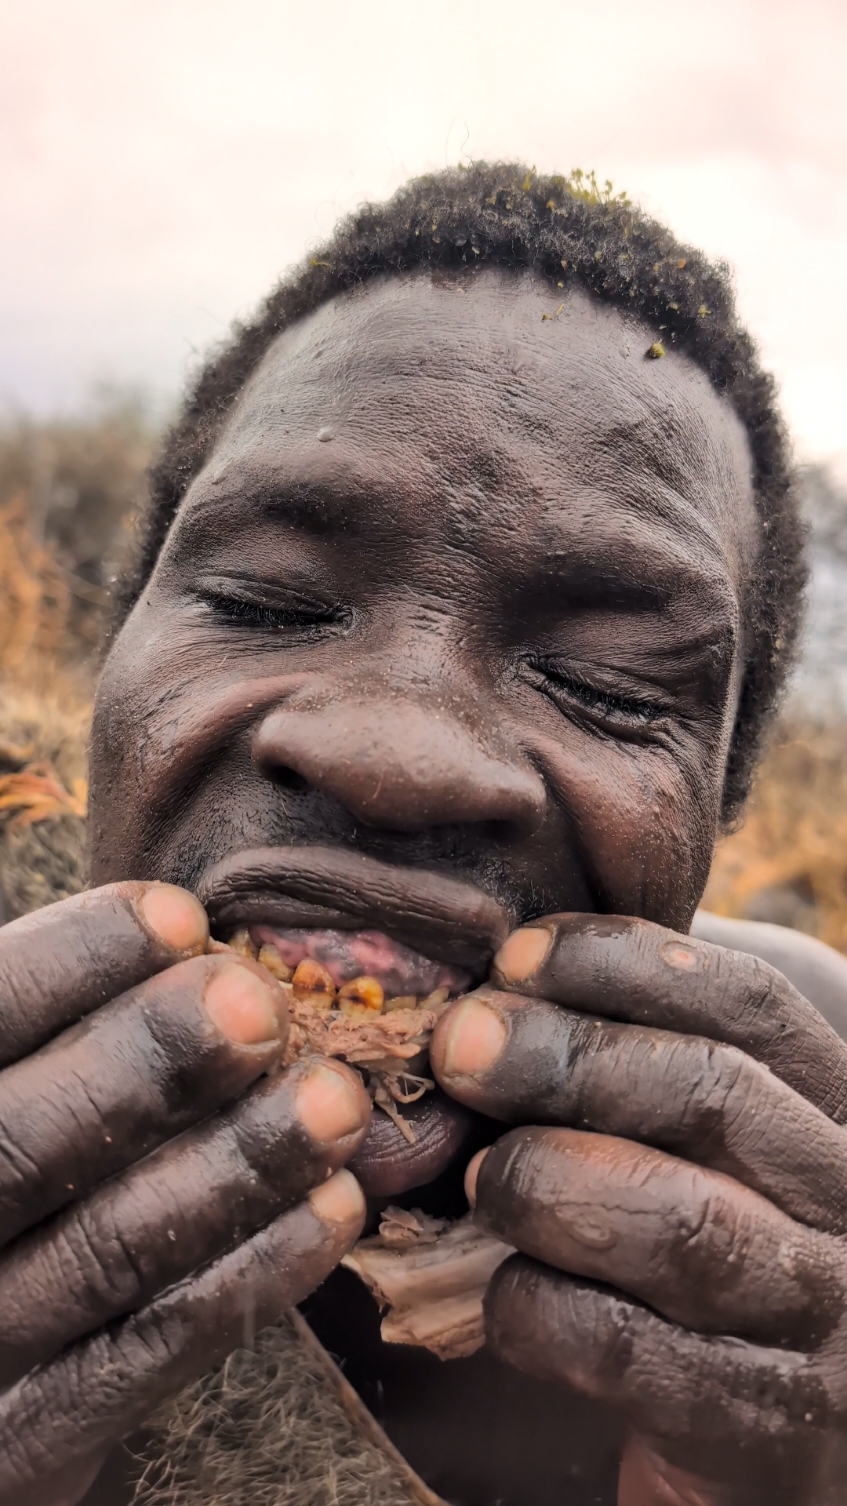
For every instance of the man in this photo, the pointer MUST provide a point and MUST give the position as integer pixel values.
(469, 580)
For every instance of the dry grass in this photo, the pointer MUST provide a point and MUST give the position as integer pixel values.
(35, 606)
(67, 495)
(788, 861)
(68, 491)
(45, 686)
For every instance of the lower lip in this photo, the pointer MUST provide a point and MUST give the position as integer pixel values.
(387, 1165)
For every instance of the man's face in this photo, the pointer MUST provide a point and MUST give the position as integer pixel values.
(460, 588)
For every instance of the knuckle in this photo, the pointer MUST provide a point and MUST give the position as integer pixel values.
(33, 1419)
(761, 980)
(64, 1412)
(771, 1007)
(18, 1168)
(98, 1262)
(718, 1079)
(697, 1219)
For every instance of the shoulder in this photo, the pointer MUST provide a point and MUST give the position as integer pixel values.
(817, 971)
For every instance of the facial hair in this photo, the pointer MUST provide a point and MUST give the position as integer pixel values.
(269, 1428)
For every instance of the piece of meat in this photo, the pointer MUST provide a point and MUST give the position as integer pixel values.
(429, 1273)
(431, 1277)
(388, 1044)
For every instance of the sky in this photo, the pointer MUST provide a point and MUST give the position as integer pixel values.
(162, 162)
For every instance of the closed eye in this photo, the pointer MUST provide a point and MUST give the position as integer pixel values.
(621, 708)
(296, 615)
(608, 704)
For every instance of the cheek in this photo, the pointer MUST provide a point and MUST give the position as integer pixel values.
(644, 821)
(134, 737)
(119, 739)
(169, 710)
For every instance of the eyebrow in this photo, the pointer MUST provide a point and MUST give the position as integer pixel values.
(587, 580)
(306, 504)
(594, 587)
(344, 503)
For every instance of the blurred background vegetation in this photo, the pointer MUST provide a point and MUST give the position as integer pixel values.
(69, 490)
(69, 493)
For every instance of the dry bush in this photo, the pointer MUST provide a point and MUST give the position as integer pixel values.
(68, 491)
(35, 602)
(67, 496)
(788, 861)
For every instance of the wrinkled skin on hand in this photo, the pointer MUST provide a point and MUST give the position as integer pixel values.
(679, 1203)
(462, 589)
(151, 1174)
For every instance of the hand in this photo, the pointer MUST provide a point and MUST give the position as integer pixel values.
(156, 1185)
(680, 1201)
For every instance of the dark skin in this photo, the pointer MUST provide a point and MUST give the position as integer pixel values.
(460, 589)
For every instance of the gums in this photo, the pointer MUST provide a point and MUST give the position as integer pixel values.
(350, 954)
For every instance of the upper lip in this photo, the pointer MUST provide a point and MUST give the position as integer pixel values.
(445, 918)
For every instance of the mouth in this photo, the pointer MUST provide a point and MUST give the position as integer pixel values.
(325, 888)
(369, 953)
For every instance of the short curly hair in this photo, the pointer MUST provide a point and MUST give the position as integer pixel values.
(575, 233)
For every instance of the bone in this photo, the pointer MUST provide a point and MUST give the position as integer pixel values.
(431, 1276)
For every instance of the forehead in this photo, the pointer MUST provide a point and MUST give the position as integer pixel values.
(491, 384)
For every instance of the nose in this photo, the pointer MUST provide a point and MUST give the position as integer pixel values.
(397, 763)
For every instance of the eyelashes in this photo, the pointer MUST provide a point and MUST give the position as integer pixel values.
(610, 705)
(242, 611)
(614, 708)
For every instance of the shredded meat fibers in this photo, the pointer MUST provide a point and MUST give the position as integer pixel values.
(383, 1042)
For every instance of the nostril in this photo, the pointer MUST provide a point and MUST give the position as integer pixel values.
(289, 779)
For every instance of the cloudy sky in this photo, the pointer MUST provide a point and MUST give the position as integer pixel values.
(162, 161)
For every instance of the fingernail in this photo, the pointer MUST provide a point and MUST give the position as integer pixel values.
(522, 953)
(330, 1105)
(242, 1005)
(176, 916)
(472, 1039)
(340, 1200)
(472, 1173)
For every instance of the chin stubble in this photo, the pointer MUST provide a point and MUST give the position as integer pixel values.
(268, 1428)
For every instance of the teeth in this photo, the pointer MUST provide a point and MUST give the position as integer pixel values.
(361, 999)
(436, 1000)
(313, 985)
(386, 1038)
(270, 958)
(402, 1001)
(241, 943)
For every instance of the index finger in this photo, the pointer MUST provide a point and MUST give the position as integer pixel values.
(65, 961)
(633, 970)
